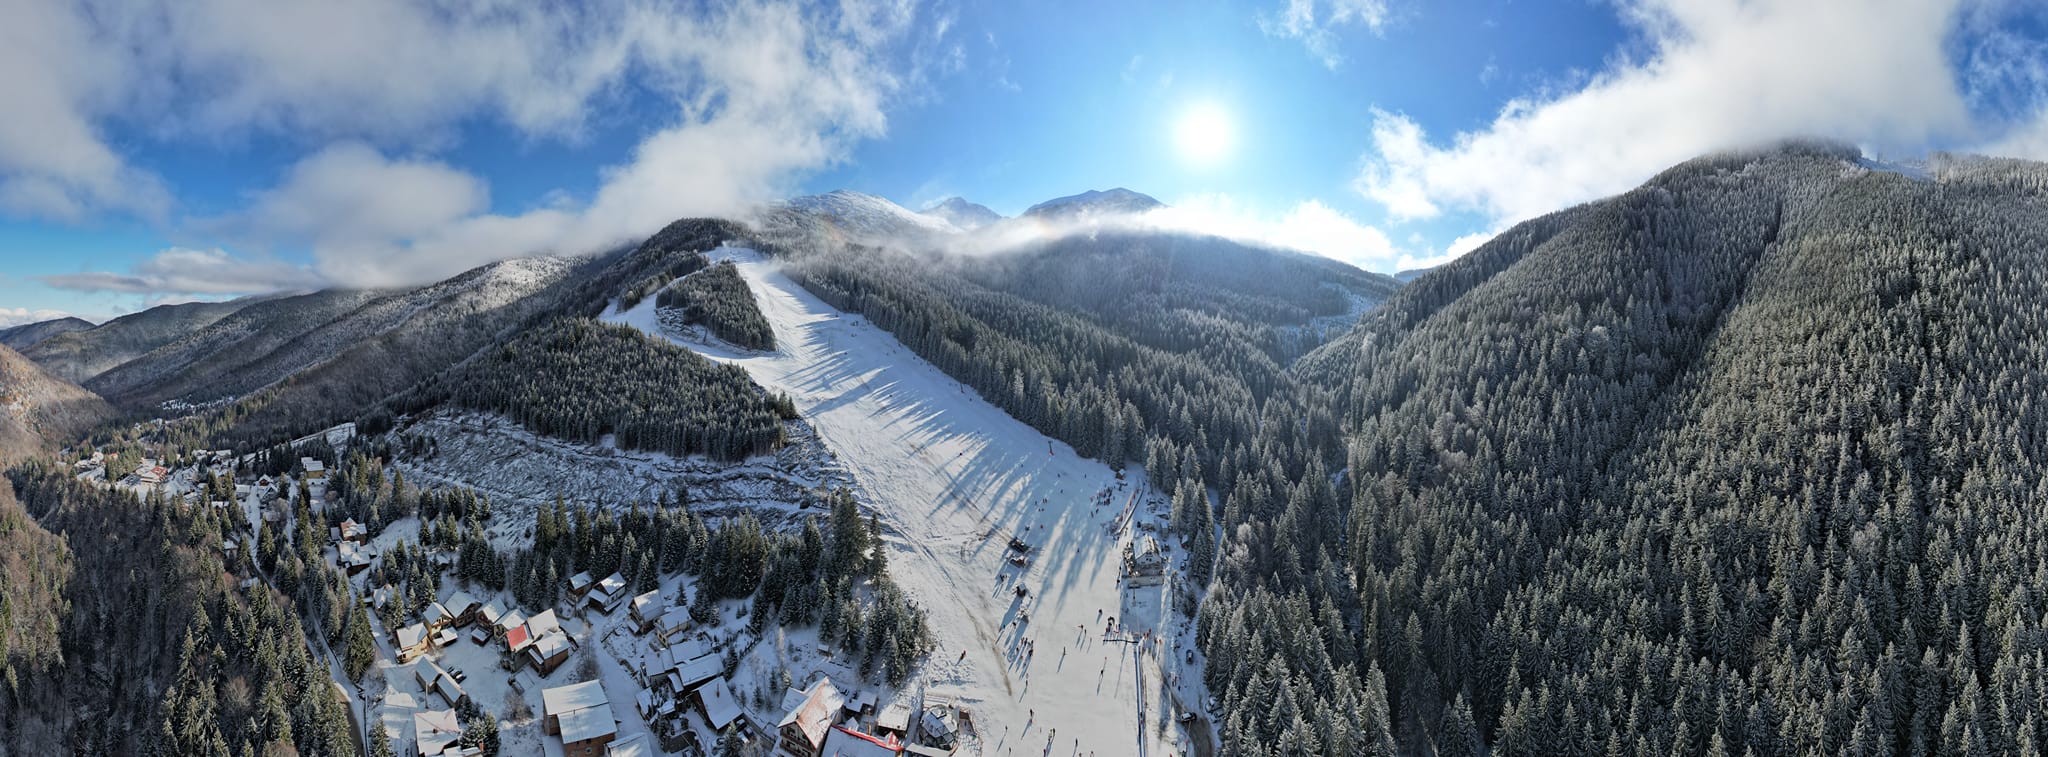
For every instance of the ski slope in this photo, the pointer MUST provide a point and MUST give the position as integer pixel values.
(953, 478)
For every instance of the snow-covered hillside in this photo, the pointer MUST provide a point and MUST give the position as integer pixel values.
(867, 215)
(954, 479)
(967, 216)
(1094, 203)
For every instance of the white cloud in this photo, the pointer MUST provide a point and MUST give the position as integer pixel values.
(1317, 22)
(19, 316)
(1718, 74)
(183, 271)
(1309, 226)
(797, 79)
(760, 90)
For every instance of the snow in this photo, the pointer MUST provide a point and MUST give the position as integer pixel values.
(952, 478)
(866, 214)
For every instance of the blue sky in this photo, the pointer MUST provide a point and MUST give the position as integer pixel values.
(163, 151)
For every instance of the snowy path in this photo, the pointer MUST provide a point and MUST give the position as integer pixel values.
(953, 477)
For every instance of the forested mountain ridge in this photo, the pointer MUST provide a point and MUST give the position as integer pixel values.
(79, 355)
(26, 335)
(1743, 460)
(39, 411)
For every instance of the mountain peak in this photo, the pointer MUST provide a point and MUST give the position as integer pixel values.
(1095, 202)
(966, 215)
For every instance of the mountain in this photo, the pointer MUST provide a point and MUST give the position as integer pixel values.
(219, 361)
(27, 335)
(1094, 203)
(1411, 274)
(964, 215)
(856, 216)
(41, 411)
(80, 355)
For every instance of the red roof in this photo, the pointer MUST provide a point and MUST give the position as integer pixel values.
(516, 638)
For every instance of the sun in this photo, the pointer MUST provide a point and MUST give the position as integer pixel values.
(1204, 135)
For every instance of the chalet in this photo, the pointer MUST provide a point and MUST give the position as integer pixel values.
(690, 674)
(609, 594)
(380, 597)
(543, 624)
(580, 583)
(517, 640)
(444, 637)
(673, 624)
(449, 691)
(716, 702)
(580, 714)
(646, 610)
(816, 710)
(633, 747)
(548, 652)
(1144, 562)
(489, 614)
(434, 731)
(436, 615)
(895, 719)
(411, 642)
(353, 558)
(462, 607)
(425, 673)
(151, 475)
(503, 626)
(315, 470)
(846, 742)
(350, 530)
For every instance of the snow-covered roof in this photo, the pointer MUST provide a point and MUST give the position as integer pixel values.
(575, 696)
(517, 638)
(612, 584)
(435, 613)
(580, 580)
(460, 603)
(687, 650)
(435, 730)
(700, 670)
(840, 742)
(633, 747)
(493, 611)
(895, 717)
(587, 723)
(542, 624)
(719, 706)
(510, 620)
(546, 647)
(817, 712)
(645, 604)
(675, 618)
(412, 635)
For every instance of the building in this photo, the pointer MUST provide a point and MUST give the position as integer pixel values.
(548, 652)
(411, 642)
(609, 594)
(449, 691)
(716, 702)
(434, 732)
(315, 470)
(580, 583)
(436, 616)
(846, 742)
(353, 558)
(646, 610)
(803, 731)
(673, 625)
(582, 715)
(543, 624)
(633, 747)
(508, 621)
(463, 607)
(489, 614)
(1144, 562)
(895, 719)
(350, 530)
(517, 640)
